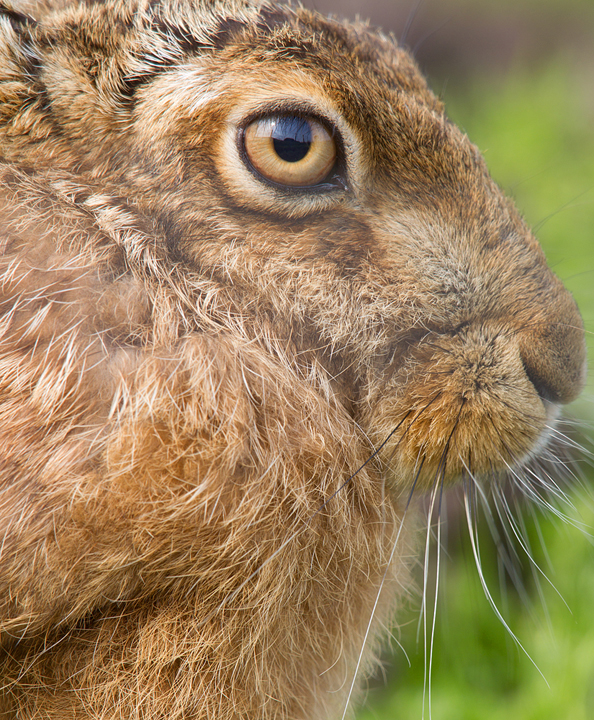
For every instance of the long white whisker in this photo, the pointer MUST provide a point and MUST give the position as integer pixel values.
(521, 538)
(548, 484)
(507, 557)
(567, 440)
(427, 655)
(530, 492)
(377, 597)
(437, 572)
(477, 559)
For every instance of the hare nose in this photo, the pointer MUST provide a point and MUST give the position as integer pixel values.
(554, 355)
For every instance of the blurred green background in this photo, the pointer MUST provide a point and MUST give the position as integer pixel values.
(518, 77)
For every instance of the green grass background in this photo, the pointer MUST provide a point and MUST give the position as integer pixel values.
(535, 126)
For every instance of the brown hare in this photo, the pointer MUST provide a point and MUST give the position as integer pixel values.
(257, 291)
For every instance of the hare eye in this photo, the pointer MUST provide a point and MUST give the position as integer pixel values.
(290, 150)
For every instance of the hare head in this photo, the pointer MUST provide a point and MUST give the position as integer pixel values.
(256, 288)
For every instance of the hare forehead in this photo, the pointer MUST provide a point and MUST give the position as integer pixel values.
(203, 85)
(231, 44)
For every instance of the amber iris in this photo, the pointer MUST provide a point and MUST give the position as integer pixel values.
(290, 150)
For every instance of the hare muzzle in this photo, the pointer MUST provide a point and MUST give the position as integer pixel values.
(479, 386)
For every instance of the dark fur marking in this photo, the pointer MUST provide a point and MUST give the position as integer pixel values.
(129, 86)
(173, 34)
(32, 66)
(187, 43)
(491, 239)
(270, 19)
(17, 19)
(224, 31)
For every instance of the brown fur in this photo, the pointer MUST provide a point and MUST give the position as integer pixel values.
(196, 366)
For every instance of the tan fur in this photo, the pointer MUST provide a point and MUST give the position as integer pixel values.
(196, 366)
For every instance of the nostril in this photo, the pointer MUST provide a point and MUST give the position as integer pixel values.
(544, 386)
(554, 360)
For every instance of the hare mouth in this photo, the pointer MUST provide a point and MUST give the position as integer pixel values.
(459, 403)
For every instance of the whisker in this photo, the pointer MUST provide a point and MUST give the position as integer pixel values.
(538, 499)
(437, 574)
(426, 671)
(546, 482)
(569, 443)
(411, 423)
(474, 541)
(378, 594)
(521, 538)
(566, 206)
(437, 486)
(507, 556)
(412, 14)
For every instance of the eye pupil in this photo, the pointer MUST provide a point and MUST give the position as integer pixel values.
(292, 138)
